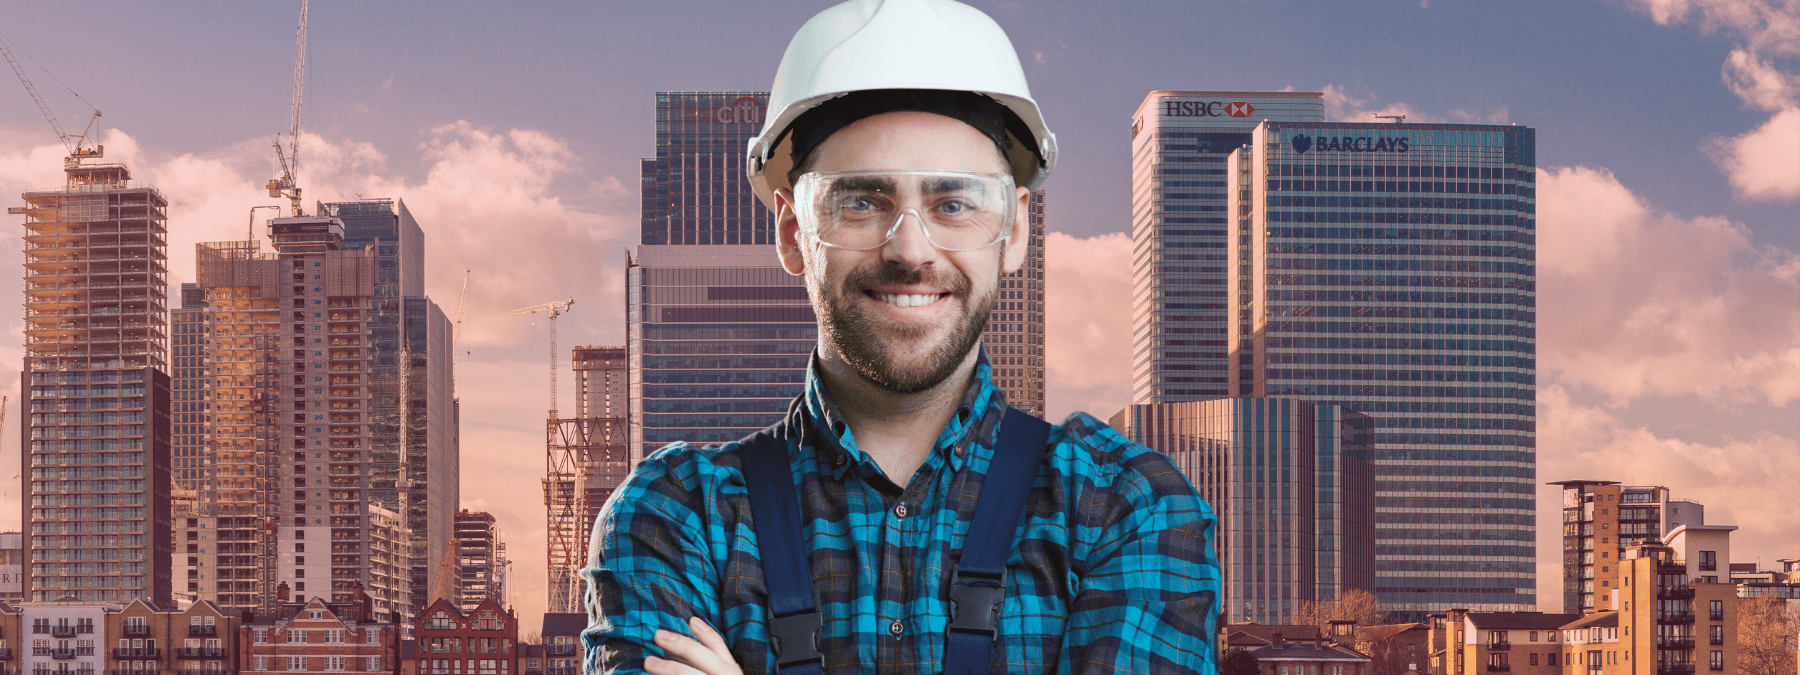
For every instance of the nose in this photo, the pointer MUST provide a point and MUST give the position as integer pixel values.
(909, 245)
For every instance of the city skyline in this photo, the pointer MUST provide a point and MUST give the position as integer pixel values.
(1667, 321)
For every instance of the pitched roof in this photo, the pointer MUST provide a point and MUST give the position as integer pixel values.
(564, 623)
(1268, 631)
(1595, 620)
(1520, 620)
(1375, 633)
(1307, 651)
(1238, 638)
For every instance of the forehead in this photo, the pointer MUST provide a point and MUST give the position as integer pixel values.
(908, 141)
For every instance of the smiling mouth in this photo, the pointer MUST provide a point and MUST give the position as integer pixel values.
(907, 299)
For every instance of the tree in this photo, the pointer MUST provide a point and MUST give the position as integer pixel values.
(1766, 634)
(1238, 661)
(1355, 605)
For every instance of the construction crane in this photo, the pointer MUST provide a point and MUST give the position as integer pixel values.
(441, 587)
(74, 146)
(287, 185)
(556, 309)
(461, 303)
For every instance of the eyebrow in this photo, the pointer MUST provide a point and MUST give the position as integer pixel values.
(863, 184)
(943, 184)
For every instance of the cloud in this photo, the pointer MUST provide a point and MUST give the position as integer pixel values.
(1088, 337)
(1761, 71)
(1745, 481)
(1342, 106)
(1762, 164)
(1635, 301)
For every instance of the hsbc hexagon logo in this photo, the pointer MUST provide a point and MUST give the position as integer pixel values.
(1207, 109)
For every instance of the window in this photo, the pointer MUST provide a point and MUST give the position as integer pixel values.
(1497, 661)
(372, 663)
(1716, 610)
(1534, 636)
(1552, 657)
(295, 635)
(371, 636)
(259, 663)
(1534, 659)
(1716, 635)
(1709, 561)
(296, 663)
(334, 663)
(334, 637)
(1717, 661)
(260, 636)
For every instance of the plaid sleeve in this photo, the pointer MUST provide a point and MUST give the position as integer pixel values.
(1148, 602)
(650, 564)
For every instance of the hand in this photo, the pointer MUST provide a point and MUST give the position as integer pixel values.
(707, 656)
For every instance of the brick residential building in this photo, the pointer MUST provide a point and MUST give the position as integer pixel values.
(307, 636)
(563, 650)
(483, 641)
(1498, 642)
(199, 640)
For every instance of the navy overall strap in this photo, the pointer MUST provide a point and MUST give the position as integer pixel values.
(977, 588)
(794, 619)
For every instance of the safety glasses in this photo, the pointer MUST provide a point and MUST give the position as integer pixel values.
(862, 210)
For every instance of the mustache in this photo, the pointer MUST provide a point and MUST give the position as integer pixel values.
(892, 272)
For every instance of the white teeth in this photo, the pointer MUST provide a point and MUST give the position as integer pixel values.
(906, 300)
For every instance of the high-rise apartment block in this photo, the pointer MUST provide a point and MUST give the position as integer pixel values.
(1293, 485)
(1390, 269)
(189, 380)
(600, 405)
(481, 559)
(95, 430)
(413, 436)
(1602, 518)
(292, 400)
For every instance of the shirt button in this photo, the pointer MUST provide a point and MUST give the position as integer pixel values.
(840, 460)
(899, 512)
(896, 628)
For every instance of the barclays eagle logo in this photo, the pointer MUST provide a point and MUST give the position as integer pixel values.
(1302, 143)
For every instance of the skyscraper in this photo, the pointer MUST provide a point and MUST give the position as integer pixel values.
(96, 389)
(188, 376)
(1179, 228)
(294, 427)
(481, 559)
(405, 323)
(1292, 484)
(1390, 269)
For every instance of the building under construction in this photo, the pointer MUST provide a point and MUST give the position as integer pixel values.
(585, 461)
(481, 563)
(96, 389)
(291, 396)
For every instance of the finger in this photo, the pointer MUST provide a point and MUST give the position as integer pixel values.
(709, 637)
(656, 666)
(689, 651)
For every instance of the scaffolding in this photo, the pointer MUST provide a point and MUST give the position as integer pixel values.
(580, 449)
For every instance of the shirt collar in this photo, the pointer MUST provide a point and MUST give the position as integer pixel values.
(972, 428)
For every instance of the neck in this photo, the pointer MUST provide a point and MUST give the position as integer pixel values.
(898, 431)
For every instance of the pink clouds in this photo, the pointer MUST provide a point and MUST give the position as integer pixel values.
(1088, 337)
(1764, 163)
(1634, 301)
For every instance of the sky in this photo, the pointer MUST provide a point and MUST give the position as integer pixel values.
(1668, 150)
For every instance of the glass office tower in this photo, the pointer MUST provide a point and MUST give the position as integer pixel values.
(1390, 269)
(1179, 227)
(1292, 484)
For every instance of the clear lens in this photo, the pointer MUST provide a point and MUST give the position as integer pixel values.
(861, 210)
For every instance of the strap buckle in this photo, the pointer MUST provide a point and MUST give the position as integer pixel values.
(975, 605)
(795, 638)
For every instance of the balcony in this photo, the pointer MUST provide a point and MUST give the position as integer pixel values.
(6, 653)
(1675, 617)
(1499, 646)
(62, 631)
(137, 630)
(199, 652)
(559, 649)
(137, 653)
(1675, 643)
(1492, 668)
(62, 654)
(203, 630)
(1674, 668)
(1675, 592)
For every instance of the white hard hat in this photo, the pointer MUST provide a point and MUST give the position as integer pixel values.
(866, 45)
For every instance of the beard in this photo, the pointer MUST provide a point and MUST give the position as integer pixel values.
(899, 357)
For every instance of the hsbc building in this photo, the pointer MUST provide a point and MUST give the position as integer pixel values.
(1179, 143)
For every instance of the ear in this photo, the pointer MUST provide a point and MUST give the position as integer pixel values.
(1018, 243)
(787, 233)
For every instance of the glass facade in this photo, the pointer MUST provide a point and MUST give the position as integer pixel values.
(1390, 269)
(1292, 484)
(96, 430)
(1179, 226)
(188, 372)
(694, 190)
(403, 321)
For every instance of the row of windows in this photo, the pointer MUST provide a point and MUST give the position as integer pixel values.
(1434, 187)
(1457, 313)
(731, 405)
(1387, 359)
(1515, 487)
(1393, 250)
(1431, 234)
(1400, 171)
(1433, 297)
(1400, 375)
(1513, 282)
(1406, 218)
(731, 347)
(1366, 343)
(1397, 328)
(1453, 503)
(797, 362)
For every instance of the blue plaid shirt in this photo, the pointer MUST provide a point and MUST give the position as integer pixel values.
(1113, 570)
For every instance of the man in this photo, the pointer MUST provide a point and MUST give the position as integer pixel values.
(898, 158)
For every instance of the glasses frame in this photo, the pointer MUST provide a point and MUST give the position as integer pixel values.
(803, 207)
